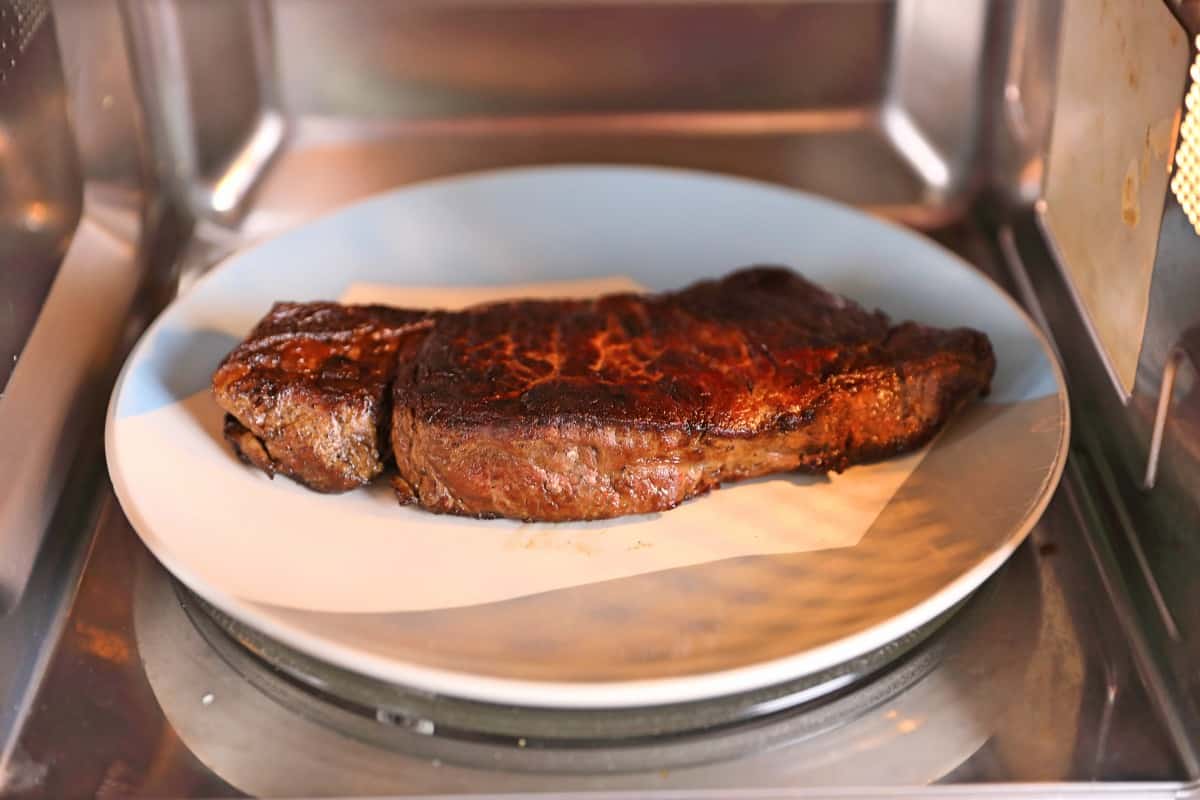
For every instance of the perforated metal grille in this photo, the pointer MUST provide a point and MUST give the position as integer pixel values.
(1186, 181)
(19, 21)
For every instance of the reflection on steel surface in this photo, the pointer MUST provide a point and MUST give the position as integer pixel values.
(1084, 709)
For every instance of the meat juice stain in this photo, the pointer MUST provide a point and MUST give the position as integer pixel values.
(525, 539)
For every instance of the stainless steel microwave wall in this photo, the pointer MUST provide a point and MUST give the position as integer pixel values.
(142, 140)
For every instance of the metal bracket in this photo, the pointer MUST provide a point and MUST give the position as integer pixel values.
(1182, 351)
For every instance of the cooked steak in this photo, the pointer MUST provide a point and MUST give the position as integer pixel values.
(249, 448)
(308, 392)
(626, 404)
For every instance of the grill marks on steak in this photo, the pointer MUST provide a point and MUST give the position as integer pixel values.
(308, 392)
(586, 409)
(569, 410)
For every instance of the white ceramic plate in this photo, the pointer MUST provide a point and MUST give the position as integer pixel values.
(752, 585)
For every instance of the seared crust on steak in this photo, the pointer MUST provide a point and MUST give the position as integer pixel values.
(572, 410)
(249, 448)
(308, 392)
(587, 409)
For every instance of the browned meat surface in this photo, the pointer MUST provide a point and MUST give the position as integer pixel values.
(249, 448)
(561, 410)
(568, 410)
(308, 395)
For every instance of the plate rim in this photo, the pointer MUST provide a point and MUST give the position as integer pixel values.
(592, 694)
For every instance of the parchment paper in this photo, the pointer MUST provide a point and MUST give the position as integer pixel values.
(277, 543)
